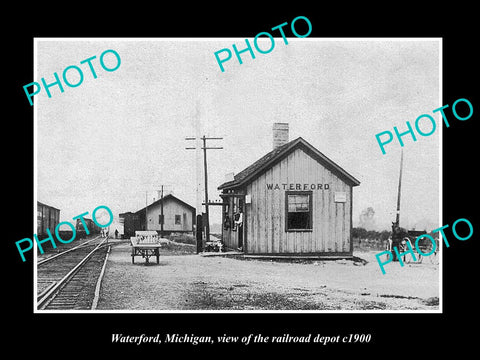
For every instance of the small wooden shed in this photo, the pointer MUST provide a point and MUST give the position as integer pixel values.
(293, 201)
(174, 214)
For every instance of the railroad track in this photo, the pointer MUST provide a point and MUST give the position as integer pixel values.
(70, 280)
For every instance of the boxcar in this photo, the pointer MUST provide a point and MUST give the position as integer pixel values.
(48, 217)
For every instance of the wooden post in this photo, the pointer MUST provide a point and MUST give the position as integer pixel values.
(199, 233)
(207, 217)
(161, 214)
(396, 233)
(198, 147)
(397, 220)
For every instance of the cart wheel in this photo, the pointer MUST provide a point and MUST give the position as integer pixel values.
(419, 258)
(407, 259)
(434, 257)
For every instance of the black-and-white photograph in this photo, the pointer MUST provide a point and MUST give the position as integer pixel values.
(299, 180)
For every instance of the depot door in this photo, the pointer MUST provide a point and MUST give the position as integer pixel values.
(240, 225)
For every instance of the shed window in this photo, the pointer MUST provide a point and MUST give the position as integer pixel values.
(298, 210)
(178, 220)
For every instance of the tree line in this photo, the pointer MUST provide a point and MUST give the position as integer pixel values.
(361, 233)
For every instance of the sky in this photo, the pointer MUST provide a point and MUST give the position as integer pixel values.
(116, 139)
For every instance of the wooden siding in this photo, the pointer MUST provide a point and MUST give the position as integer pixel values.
(170, 209)
(47, 218)
(229, 236)
(265, 215)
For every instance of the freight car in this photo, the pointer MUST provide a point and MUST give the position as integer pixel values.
(48, 217)
(131, 223)
(91, 226)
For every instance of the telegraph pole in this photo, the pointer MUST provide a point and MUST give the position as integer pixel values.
(396, 232)
(397, 220)
(205, 148)
(161, 214)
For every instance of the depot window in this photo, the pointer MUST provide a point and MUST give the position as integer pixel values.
(298, 209)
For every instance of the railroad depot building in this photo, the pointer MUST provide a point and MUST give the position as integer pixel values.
(178, 216)
(292, 201)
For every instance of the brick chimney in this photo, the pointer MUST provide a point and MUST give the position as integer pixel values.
(280, 134)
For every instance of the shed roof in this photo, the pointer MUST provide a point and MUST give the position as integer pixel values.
(167, 197)
(270, 159)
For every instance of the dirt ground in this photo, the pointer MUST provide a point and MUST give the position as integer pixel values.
(186, 281)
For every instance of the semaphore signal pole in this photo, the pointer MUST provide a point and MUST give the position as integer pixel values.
(205, 148)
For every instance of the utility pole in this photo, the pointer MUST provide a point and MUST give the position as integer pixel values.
(396, 231)
(205, 148)
(397, 220)
(161, 214)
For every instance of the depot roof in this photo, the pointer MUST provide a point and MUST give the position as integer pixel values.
(276, 155)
